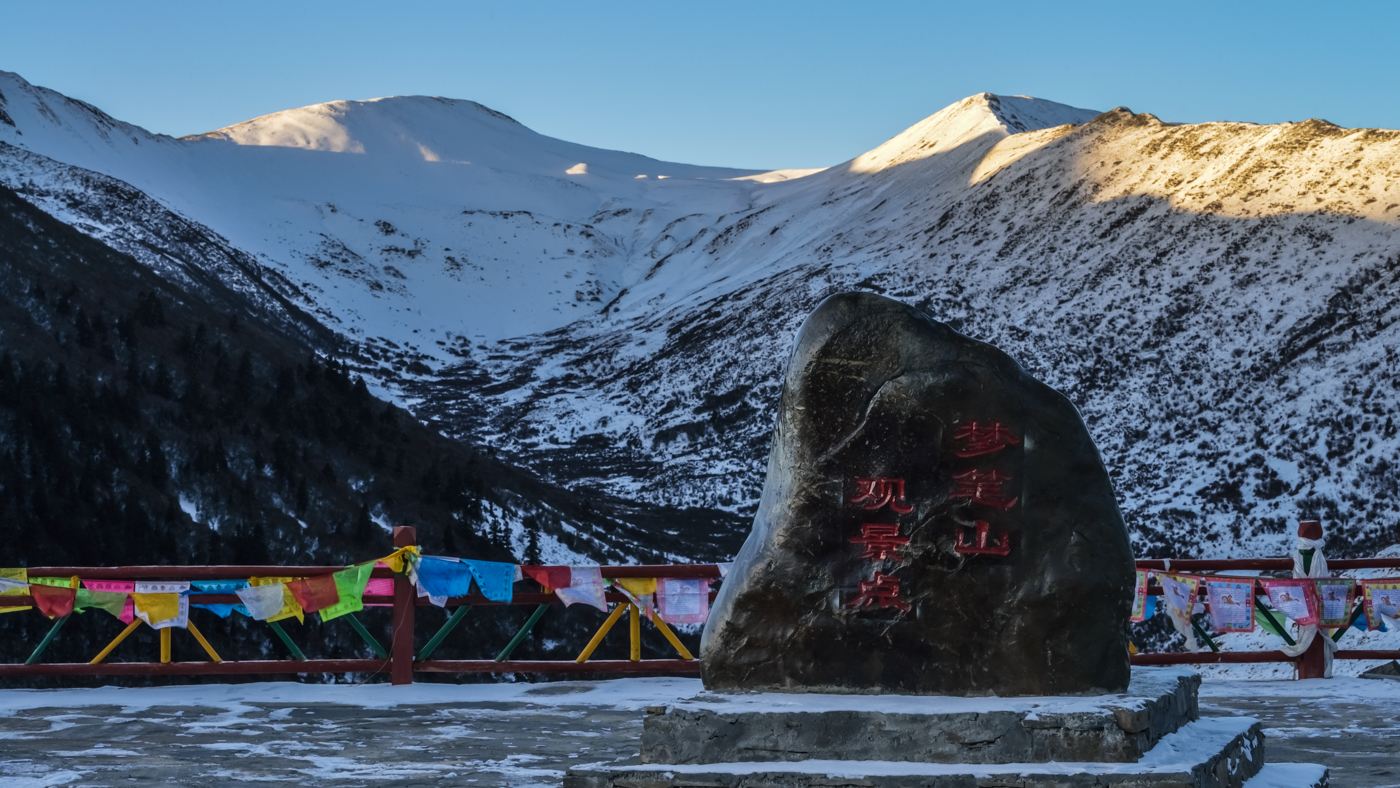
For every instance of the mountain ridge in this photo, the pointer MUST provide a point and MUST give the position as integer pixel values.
(1190, 286)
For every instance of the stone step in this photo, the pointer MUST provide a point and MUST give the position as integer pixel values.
(786, 726)
(1289, 775)
(1220, 752)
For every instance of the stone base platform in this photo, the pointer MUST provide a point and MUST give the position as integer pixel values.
(1203, 754)
(1148, 737)
(714, 727)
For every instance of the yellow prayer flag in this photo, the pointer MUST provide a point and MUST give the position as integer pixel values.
(395, 560)
(14, 582)
(637, 586)
(290, 607)
(157, 608)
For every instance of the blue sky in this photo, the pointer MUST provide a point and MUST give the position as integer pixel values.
(751, 84)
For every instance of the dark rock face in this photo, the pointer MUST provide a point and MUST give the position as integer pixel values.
(934, 521)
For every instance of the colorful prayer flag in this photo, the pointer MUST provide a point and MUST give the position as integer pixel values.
(290, 606)
(123, 587)
(398, 560)
(14, 582)
(264, 602)
(379, 586)
(1381, 597)
(641, 590)
(683, 600)
(1294, 597)
(585, 586)
(108, 601)
(1230, 604)
(315, 593)
(495, 579)
(162, 604)
(220, 609)
(1334, 596)
(350, 585)
(53, 601)
(440, 578)
(549, 577)
(1140, 596)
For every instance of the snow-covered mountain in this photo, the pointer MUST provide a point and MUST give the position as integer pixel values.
(1219, 299)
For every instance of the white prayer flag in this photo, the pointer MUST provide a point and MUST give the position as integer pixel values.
(263, 602)
(683, 600)
(585, 586)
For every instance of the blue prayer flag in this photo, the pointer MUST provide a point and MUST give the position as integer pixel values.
(495, 579)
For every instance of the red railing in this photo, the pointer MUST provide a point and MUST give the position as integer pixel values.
(1310, 663)
(399, 659)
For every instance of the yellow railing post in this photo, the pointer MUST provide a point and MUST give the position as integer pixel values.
(672, 639)
(116, 641)
(204, 644)
(165, 646)
(634, 627)
(600, 634)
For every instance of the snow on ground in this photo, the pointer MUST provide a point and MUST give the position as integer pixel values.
(629, 693)
(520, 734)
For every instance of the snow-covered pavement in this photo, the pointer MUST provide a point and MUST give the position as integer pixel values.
(512, 734)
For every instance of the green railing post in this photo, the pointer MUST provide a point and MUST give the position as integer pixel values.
(48, 638)
(1205, 637)
(366, 636)
(442, 633)
(524, 631)
(1283, 633)
(1355, 616)
(287, 641)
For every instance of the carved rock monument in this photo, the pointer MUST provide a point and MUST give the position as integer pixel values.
(935, 520)
(936, 524)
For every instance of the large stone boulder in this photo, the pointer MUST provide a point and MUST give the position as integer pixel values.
(934, 520)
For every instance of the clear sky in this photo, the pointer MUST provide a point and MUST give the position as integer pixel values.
(749, 84)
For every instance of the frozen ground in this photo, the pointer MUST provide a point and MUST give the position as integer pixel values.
(513, 734)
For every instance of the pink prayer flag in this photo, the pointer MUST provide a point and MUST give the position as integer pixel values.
(379, 586)
(683, 600)
(117, 587)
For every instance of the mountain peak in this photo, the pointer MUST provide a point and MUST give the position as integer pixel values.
(981, 115)
(358, 126)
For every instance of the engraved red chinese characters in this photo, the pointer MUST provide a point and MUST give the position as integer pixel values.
(977, 439)
(984, 488)
(882, 541)
(877, 493)
(881, 591)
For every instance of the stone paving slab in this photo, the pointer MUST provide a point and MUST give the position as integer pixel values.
(1208, 753)
(715, 727)
(437, 735)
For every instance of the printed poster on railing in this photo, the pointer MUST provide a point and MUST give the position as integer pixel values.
(1294, 598)
(1230, 604)
(1334, 595)
(1179, 591)
(1140, 596)
(1382, 600)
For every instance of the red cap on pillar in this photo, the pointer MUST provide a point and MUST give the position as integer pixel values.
(1310, 529)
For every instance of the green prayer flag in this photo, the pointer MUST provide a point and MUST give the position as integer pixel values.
(109, 601)
(350, 582)
(56, 582)
(1265, 622)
